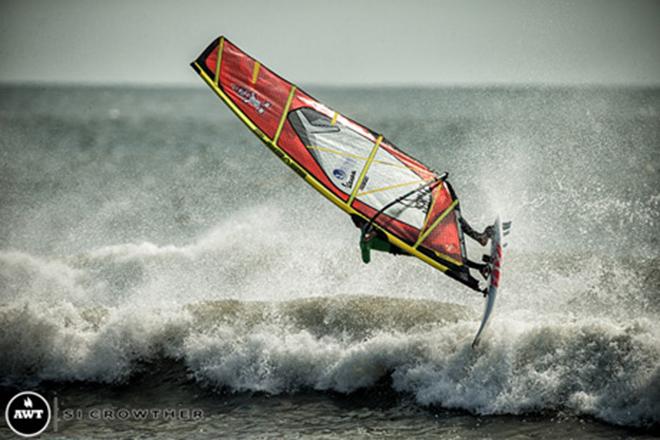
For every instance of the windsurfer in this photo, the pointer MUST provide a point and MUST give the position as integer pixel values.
(370, 238)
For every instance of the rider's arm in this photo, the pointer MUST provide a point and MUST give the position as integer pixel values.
(365, 248)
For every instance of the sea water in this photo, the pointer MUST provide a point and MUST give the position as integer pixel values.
(153, 254)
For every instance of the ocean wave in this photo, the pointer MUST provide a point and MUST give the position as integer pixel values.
(593, 367)
(573, 332)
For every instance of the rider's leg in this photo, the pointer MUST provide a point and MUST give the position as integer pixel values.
(481, 237)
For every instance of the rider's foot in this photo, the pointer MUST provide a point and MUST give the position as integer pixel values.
(485, 271)
(485, 236)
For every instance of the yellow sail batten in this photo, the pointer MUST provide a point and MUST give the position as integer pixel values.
(218, 62)
(370, 159)
(284, 114)
(255, 71)
(389, 187)
(355, 156)
(437, 221)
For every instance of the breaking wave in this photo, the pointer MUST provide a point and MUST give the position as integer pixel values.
(599, 366)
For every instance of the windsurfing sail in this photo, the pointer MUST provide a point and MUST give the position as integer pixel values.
(357, 169)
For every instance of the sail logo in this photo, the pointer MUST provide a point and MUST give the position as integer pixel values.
(339, 173)
(422, 201)
(27, 414)
(249, 97)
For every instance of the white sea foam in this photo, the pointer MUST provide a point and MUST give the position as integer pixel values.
(587, 342)
(596, 366)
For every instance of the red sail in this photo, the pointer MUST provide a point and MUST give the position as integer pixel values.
(357, 169)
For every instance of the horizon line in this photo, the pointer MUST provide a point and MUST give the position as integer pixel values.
(356, 85)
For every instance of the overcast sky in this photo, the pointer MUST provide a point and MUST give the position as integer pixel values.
(336, 41)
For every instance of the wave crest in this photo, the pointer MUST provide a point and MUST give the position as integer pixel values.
(346, 343)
